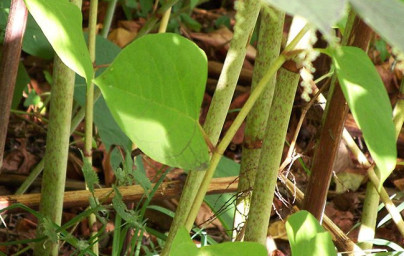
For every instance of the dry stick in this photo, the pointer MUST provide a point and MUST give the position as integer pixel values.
(79, 198)
(246, 17)
(268, 49)
(16, 23)
(326, 150)
(89, 110)
(287, 53)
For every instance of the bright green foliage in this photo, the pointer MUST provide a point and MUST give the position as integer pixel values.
(183, 244)
(154, 90)
(368, 100)
(385, 17)
(307, 237)
(322, 14)
(60, 21)
(35, 42)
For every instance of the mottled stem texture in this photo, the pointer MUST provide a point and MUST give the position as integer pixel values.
(246, 17)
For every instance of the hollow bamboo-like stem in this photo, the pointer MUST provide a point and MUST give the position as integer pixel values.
(55, 160)
(56, 154)
(246, 17)
(268, 49)
(237, 123)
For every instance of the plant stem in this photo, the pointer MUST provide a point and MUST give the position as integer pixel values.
(152, 21)
(16, 23)
(164, 21)
(246, 17)
(108, 18)
(56, 154)
(55, 160)
(76, 120)
(236, 125)
(89, 109)
(371, 203)
(268, 49)
(357, 33)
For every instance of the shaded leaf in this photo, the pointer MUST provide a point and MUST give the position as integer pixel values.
(154, 89)
(385, 17)
(368, 100)
(322, 14)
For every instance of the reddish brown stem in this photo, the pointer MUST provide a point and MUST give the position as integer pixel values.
(15, 29)
(331, 133)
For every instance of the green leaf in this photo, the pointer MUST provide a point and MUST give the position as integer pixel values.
(369, 103)
(322, 14)
(35, 42)
(183, 243)
(90, 177)
(385, 17)
(154, 90)
(129, 216)
(60, 21)
(307, 237)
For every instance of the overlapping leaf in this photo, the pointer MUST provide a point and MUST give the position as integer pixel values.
(369, 103)
(154, 90)
(60, 21)
(385, 17)
(322, 14)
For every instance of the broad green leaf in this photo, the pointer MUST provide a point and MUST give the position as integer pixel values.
(20, 84)
(369, 103)
(385, 17)
(60, 21)
(107, 128)
(307, 237)
(322, 14)
(182, 243)
(154, 89)
(35, 43)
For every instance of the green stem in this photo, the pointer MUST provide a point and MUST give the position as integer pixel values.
(89, 108)
(268, 49)
(246, 17)
(271, 153)
(152, 21)
(76, 120)
(236, 125)
(164, 21)
(57, 145)
(108, 18)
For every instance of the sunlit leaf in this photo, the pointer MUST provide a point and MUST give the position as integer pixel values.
(61, 22)
(154, 89)
(307, 237)
(369, 103)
